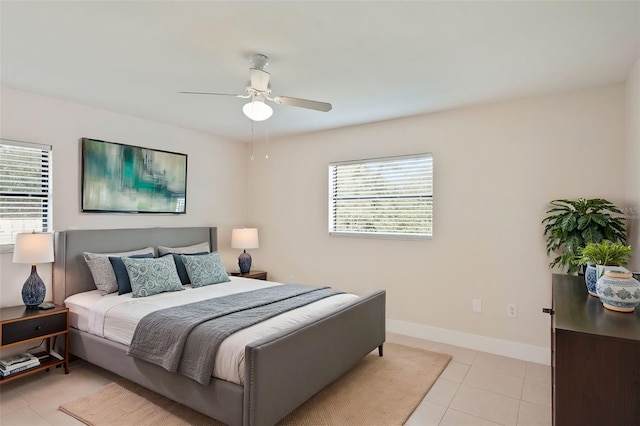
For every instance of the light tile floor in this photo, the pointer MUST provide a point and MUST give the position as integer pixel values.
(34, 400)
(476, 388)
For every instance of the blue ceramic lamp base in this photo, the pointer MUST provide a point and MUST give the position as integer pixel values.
(33, 290)
(244, 262)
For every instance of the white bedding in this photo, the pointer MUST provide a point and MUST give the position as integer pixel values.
(115, 317)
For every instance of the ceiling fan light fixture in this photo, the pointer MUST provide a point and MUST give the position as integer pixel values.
(257, 110)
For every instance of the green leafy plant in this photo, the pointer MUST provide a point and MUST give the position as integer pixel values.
(606, 253)
(571, 224)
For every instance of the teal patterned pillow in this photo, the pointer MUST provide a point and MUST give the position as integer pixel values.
(152, 276)
(205, 269)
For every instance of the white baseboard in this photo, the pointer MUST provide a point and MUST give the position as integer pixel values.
(492, 345)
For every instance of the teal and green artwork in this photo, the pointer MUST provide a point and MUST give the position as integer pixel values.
(132, 179)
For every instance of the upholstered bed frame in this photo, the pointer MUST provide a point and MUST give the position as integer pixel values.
(281, 371)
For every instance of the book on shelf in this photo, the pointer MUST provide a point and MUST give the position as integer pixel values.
(19, 367)
(16, 359)
(19, 364)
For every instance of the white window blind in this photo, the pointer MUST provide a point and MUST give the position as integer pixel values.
(390, 197)
(25, 189)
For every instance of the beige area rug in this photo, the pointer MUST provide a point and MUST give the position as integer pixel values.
(377, 391)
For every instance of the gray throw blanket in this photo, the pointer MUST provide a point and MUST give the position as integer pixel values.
(185, 338)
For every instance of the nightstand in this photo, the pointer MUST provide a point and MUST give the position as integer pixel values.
(258, 275)
(20, 325)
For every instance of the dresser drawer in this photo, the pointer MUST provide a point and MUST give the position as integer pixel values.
(28, 329)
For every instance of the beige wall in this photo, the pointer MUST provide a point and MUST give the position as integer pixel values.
(495, 168)
(217, 177)
(632, 156)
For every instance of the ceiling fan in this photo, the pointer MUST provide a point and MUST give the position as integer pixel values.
(259, 91)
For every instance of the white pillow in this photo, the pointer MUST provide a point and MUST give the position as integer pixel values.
(102, 271)
(196, 248)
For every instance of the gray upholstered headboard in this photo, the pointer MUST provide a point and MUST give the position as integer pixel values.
(70, 272)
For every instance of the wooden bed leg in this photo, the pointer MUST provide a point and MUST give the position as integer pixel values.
(380, 350)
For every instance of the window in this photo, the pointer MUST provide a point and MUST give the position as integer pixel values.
(25, 189)
(390, 197)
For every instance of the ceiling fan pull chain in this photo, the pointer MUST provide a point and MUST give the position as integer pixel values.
(266, 141)
(251, 139)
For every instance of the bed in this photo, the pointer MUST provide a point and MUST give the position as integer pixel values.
(318, 350)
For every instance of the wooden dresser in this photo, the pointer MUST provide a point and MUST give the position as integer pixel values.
(595, 358)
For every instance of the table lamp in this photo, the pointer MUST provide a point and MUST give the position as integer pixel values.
(245, 238)
(33, 248)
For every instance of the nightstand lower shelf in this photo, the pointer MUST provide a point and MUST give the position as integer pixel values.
(45, 365)
(19, 326)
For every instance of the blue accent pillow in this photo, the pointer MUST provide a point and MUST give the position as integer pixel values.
(152, 276)
(122, 276)
(205, 270)
(182, 271)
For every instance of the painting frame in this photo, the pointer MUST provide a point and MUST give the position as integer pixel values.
(120, 178)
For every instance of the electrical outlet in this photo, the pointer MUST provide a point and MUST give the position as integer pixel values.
(512, 310)
(476, 305)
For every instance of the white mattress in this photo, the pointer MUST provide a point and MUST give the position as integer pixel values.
(115, 317)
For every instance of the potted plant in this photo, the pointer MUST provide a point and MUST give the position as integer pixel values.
(571, 224)
(598, 256)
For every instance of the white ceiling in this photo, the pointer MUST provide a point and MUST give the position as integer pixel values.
(372, 60)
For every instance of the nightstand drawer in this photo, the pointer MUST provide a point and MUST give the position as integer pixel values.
(28, 329)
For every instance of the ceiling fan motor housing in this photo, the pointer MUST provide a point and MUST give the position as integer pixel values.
(259, 80)
(259, 61)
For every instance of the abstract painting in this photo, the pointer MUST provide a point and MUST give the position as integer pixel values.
(131, 179)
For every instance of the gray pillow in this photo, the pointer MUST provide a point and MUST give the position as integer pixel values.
(205, 270)
(152, 276)
(196, 248)
(102, 271)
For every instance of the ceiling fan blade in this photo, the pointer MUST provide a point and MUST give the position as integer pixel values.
(217, 94)
(259, 79)
(303, 103)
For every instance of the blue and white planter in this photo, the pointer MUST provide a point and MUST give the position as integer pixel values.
(591, 278)
(593, 272)
(618, 290)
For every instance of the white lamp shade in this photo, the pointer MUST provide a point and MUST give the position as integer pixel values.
(245, 238)
(257, 110)
(33, 248)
